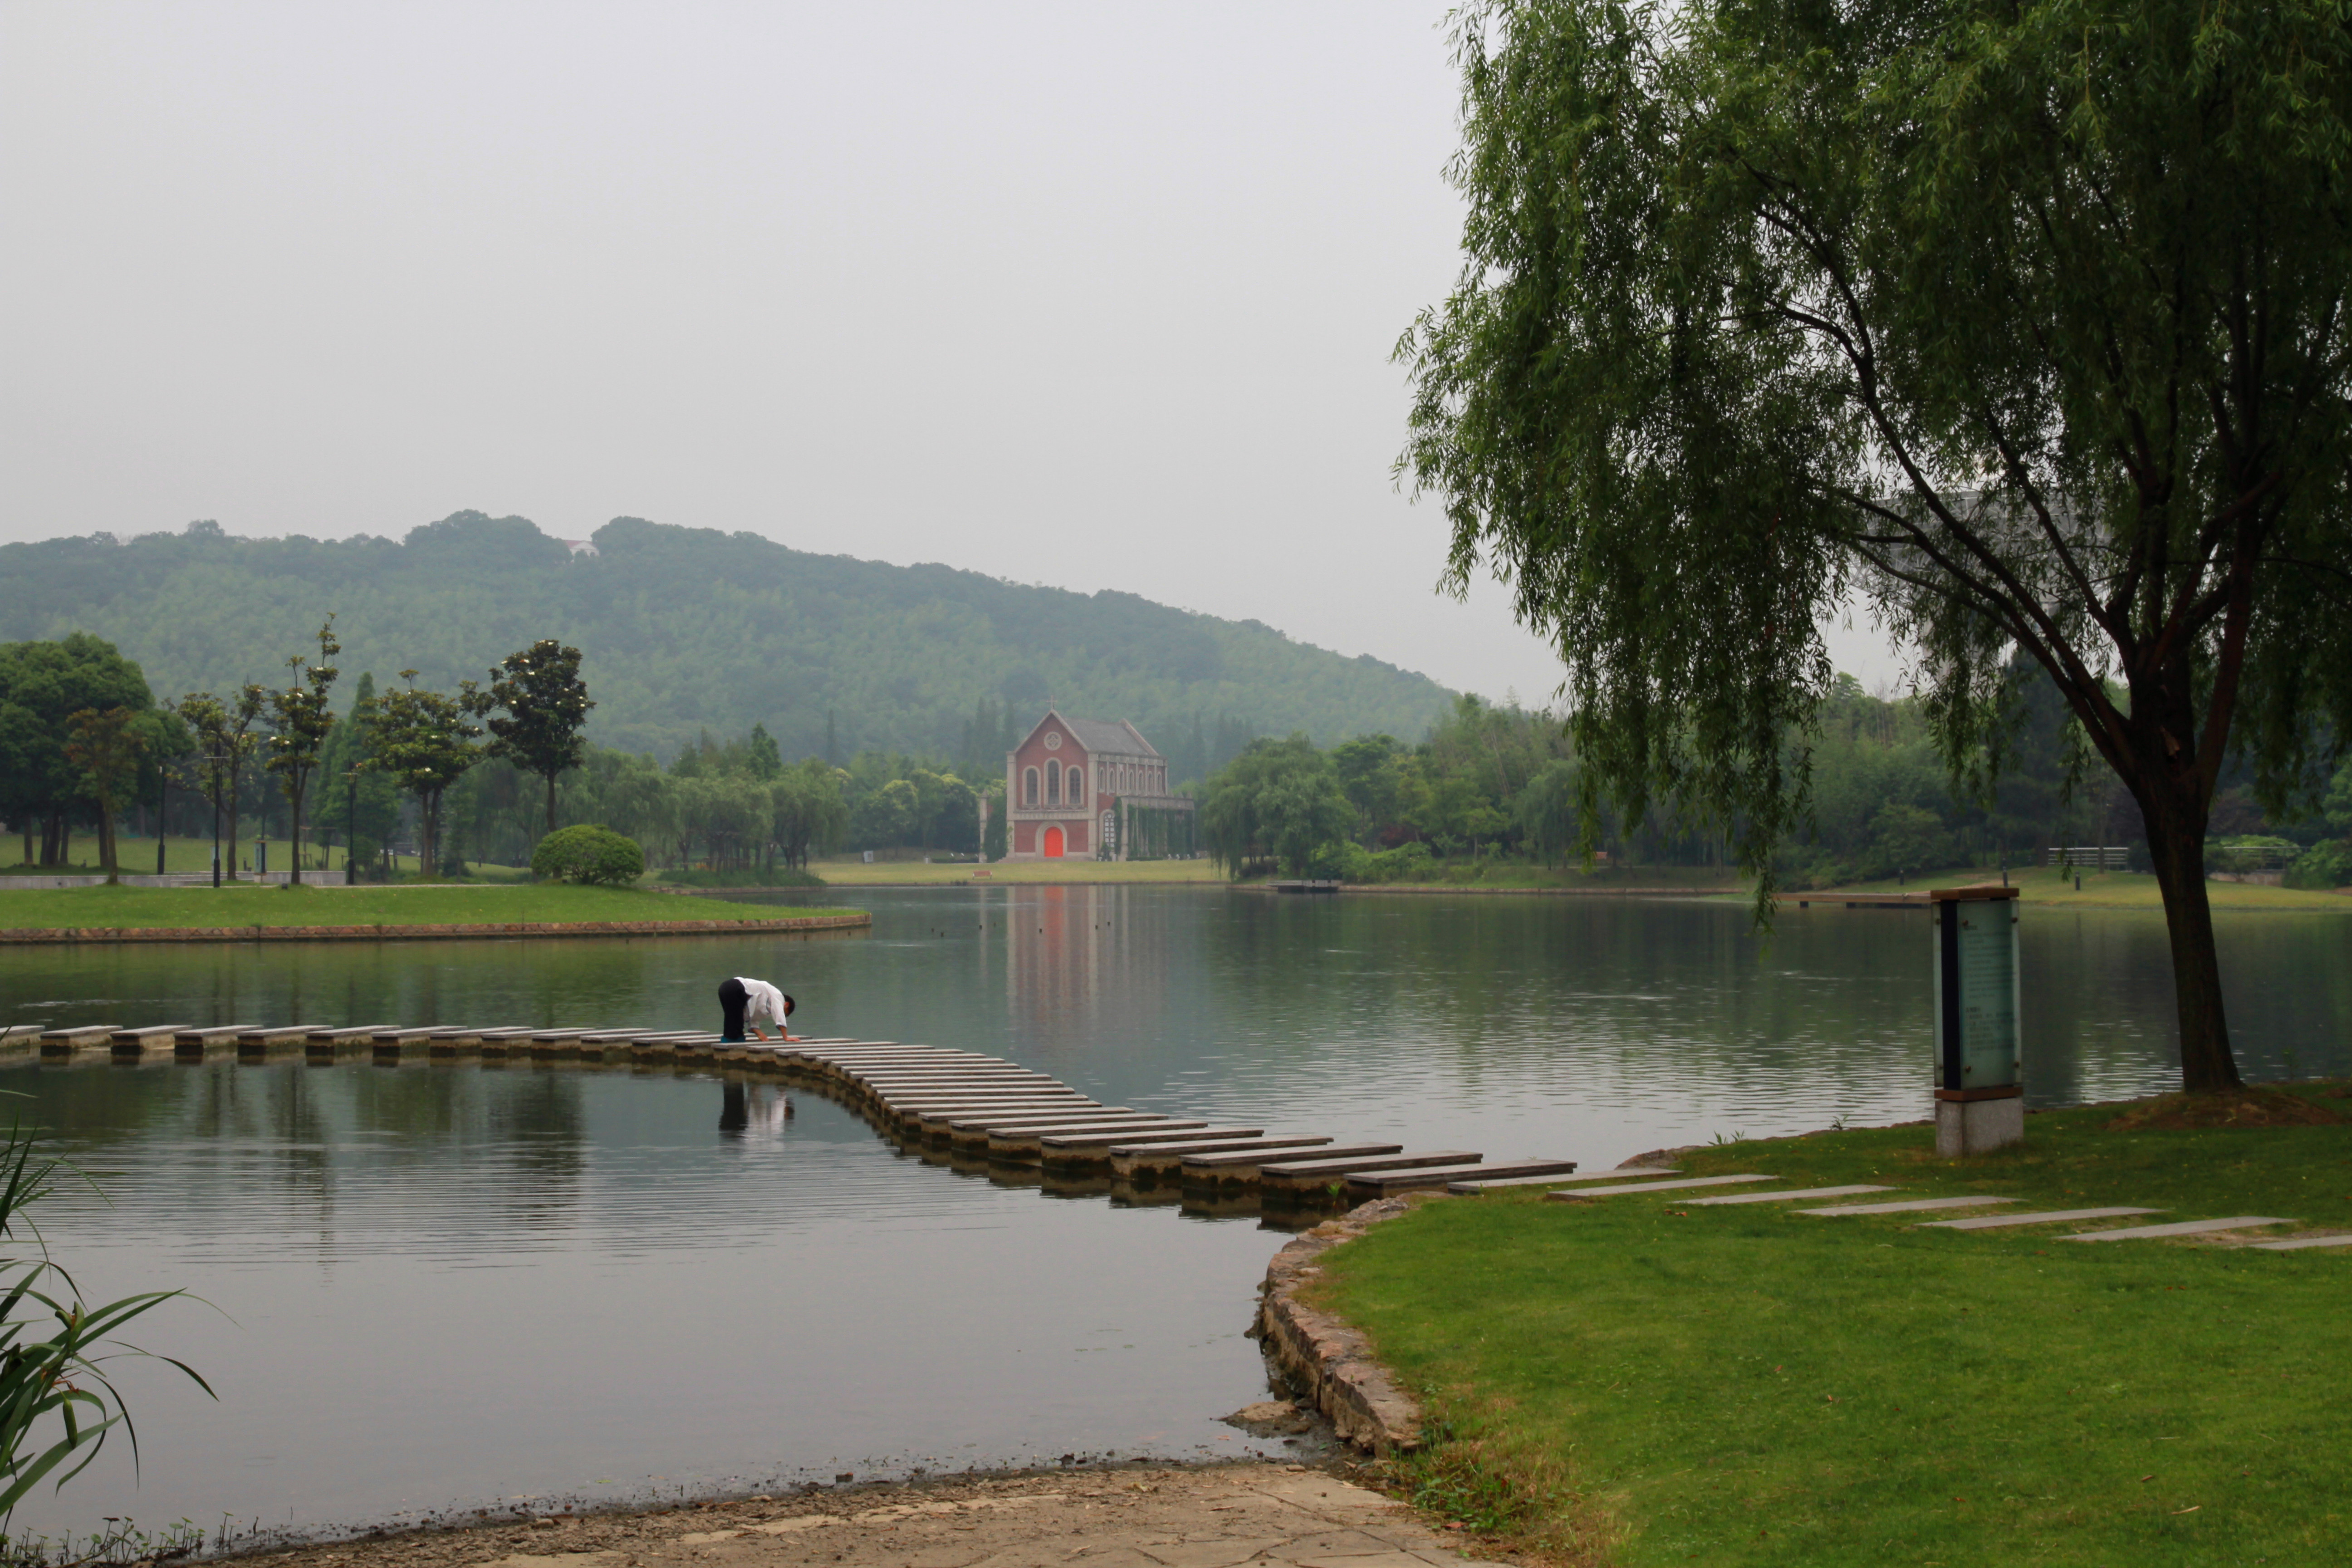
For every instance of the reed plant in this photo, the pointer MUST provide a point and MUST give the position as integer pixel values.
(57, 1406)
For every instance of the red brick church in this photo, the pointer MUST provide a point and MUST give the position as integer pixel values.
(1064, 786)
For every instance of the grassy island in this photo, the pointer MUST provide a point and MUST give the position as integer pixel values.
(1636, 1379)
(391, 906)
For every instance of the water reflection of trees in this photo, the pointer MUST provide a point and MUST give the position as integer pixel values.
(501, 1151)
(1498, 988)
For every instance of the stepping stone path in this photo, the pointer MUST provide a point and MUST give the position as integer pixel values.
(2048, 1216)
(1484, 1183)
(1910, 1206)
(1784, 1197)
(1657, 1186)
(1569, 1191)
(2180, 1227)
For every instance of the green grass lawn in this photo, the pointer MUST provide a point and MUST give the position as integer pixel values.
(1636, 1381)
(2043, 885)
(137, 857)
(334, 904)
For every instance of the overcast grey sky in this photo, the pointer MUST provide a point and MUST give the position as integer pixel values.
(1094, 296)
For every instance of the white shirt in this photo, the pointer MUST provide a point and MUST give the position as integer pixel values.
(761, 1000)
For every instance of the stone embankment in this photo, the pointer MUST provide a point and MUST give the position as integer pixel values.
(846, 921)
(1326, 1358)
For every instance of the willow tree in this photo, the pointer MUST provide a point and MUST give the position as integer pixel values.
(2022, 325)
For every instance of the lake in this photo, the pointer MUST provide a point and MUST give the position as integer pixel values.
(465, 1286)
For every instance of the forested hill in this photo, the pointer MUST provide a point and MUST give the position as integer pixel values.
(684, 629)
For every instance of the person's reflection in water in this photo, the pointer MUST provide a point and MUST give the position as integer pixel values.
(744, 1108)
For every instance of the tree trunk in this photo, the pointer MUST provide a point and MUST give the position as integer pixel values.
(106, 842)
(550, 802)
(2176, 844)
(294, 837)
(228, 872)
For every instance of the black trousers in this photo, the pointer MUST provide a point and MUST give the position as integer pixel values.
(733, 1000)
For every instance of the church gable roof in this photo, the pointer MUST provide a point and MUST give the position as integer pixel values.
(1121, 739)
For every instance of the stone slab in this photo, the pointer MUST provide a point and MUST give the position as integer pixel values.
(1856, 1190)
(1129, 1159)
(940, 1118)
(2178, 1227)
(1026, 1139)
(944, 1106)
(1380, 1184)
(194, 1041)
(2044, 1216)
(2297, 1244)
(979, 1123)
(1521, 1171)
(1662, 1186)
(1100, 1143)
(1911, 1205)
(1472, 1189)
(131, 1044)
(88, 1038)
(1208, 1170)
(1329, 1168)
(1251, 1160)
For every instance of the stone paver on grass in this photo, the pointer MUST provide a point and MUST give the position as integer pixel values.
(1472, 1189)
(1783, 1197)
(1656, 1186)
(2047, 1216)
(2178, 1227)
(1910, 1206)
(2300, 1242)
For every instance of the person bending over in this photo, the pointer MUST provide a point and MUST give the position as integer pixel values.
(743, 1002)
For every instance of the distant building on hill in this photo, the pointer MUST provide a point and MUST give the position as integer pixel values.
(1080, 787)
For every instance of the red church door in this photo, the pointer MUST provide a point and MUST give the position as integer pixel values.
(1053, 844)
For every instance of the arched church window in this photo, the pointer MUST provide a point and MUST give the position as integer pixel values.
(1029, 787)
(1077, 785)
(1053, 784)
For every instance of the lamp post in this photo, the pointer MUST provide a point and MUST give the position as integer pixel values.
(216, 822)
(350, 824)
(163, 804)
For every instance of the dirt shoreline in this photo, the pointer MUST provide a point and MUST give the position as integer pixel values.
(1132, 1515)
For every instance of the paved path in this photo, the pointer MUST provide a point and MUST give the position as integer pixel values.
(1265, 1516)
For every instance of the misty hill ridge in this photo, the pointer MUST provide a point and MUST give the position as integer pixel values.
(683, 628)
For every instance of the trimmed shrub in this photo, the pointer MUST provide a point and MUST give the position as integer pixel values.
(590, 853)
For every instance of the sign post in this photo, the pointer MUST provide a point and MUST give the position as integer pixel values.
(1980, 1084)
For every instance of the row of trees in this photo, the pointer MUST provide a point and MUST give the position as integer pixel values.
(81, 736)
(1505, 784)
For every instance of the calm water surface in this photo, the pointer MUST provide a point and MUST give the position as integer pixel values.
(468, 1285)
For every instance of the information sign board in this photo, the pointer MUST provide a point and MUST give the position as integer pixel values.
(1976, 989)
